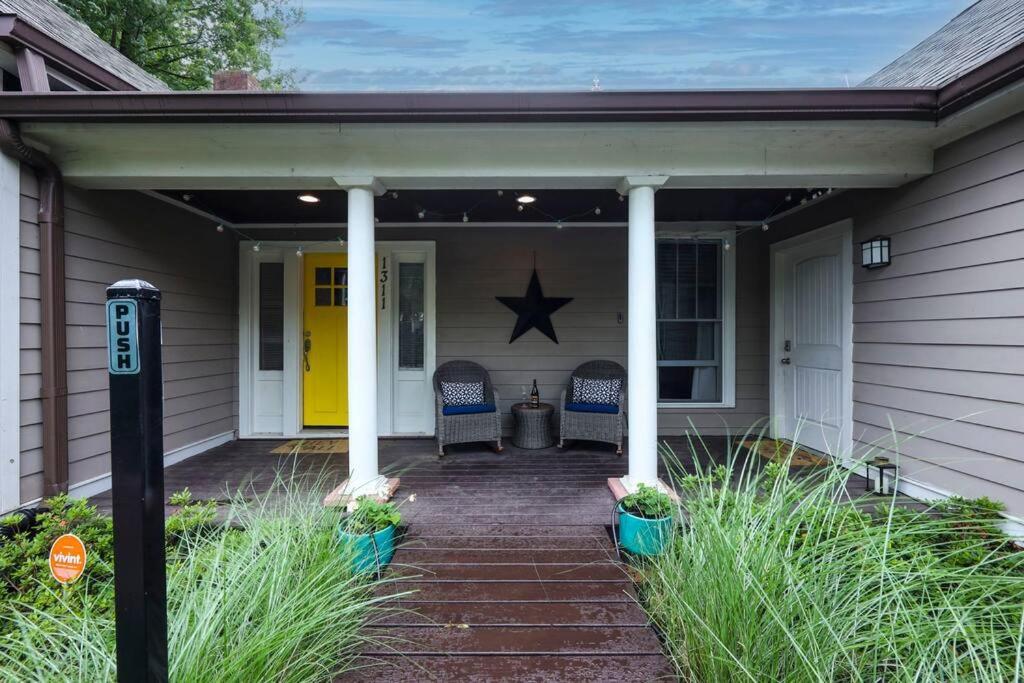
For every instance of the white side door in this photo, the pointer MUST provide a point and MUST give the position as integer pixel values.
(813, 340)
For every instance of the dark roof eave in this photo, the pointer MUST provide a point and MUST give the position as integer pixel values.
(995, 74)
(21, 34)
(413, 107)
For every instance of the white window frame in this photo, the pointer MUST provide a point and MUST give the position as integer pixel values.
(725, 235)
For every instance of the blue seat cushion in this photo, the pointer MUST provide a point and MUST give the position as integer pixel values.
(592, 408)
(468, 410)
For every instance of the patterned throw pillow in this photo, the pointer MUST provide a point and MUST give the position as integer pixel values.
(605, 391)
(462, 393)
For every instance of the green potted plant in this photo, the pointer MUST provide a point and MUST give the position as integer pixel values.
(368, 532)
(645, 521)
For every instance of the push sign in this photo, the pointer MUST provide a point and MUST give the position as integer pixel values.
(123, 336)
(137, 481)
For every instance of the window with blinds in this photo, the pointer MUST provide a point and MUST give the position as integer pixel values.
(271, 314)
(689, 310)
(410, 316)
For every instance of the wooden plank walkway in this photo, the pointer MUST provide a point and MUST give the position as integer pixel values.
(515, 575)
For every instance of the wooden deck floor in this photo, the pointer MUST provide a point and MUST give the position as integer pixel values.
(514, 572)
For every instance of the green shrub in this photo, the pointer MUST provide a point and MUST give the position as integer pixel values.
(647, 502)
(779, 577)
(182, 497)
(371, 516)
(25, 580)
(267, 596)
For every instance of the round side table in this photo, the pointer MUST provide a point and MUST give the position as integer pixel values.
(532, 425)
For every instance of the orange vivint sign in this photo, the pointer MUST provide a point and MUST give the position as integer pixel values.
(67, 558)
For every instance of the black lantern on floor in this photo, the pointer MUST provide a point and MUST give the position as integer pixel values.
(882, 484)
(874, 253)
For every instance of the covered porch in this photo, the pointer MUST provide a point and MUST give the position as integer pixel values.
(669, 257)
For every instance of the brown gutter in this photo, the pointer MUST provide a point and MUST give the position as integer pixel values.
(625, 106)
(993, 75)
(20, 34)
(54, 333)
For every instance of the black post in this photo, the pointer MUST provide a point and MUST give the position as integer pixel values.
(137, 478)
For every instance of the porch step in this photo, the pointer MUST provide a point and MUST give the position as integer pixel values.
(527, 571)
(499, 553)
(597, 668)
(502, 591)
(518, 614)
(498, 530)
(429, 541)
(581, 640)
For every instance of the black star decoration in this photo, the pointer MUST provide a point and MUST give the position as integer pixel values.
(534, 310)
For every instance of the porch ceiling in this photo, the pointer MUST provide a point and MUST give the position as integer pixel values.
(308, 156)
(282, 207)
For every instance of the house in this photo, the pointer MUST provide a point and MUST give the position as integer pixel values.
(320, 254)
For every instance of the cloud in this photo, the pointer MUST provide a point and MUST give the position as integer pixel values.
(564, 44)
(370, 36)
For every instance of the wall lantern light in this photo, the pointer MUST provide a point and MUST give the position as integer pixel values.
(874, 253)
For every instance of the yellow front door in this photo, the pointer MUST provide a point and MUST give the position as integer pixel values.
(325, 341)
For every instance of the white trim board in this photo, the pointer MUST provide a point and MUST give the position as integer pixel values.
(919, 490)
(97, 485)
(10, 334)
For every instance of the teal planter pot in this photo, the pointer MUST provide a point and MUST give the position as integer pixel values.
(643, 536)
(361, 546)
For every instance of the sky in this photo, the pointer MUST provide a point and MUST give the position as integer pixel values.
(362, 45)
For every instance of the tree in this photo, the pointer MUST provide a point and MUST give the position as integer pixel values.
(184, 42)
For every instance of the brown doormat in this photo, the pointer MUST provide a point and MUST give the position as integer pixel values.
(312, 446)
(779, 451)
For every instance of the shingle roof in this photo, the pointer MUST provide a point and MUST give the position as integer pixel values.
(54, 22)
(981, 32)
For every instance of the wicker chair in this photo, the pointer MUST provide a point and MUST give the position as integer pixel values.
(594, 426)
(466, 428)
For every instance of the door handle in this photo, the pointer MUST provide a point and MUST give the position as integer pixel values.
(785, 361)
(307, 344)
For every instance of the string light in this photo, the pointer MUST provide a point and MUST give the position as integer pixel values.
(220, 227)
(558, 225)
(465, 217)
(394, 195)
(256, 247)
(519, 208)
(298, 252)
(501, 193)
(421, 214)
(764, 227)
(597, 210)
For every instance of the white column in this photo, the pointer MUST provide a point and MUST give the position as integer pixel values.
(642, 354)
(364, 475)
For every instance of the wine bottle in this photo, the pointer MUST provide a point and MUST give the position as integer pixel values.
(534, 396)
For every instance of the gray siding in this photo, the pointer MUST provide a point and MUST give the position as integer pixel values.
(474, 265)
(114, 235)
(939, 334)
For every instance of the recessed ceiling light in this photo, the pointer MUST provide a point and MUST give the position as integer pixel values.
(526, 199)
(309, 198)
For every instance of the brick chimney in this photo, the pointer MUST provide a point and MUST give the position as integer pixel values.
(235, 80)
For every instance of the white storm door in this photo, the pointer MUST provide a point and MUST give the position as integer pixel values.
(814, 343)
